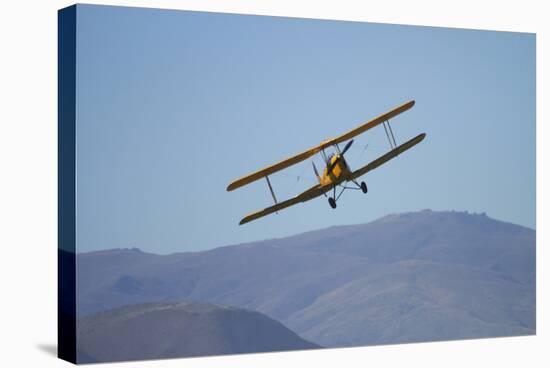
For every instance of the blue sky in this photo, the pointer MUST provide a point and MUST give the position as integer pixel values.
(173, 105)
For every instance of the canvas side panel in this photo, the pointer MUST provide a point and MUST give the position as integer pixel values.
(66, 269)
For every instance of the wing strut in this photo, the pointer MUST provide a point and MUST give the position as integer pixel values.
(271, 189)
(389, 134)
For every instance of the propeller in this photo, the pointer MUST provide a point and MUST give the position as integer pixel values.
(333, 165)
(315, 169)
(347, 146)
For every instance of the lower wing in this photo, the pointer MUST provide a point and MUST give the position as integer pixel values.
(388, 156)
(318, 189)
(311, 193)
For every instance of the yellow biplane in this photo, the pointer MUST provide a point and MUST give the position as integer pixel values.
(336, 172)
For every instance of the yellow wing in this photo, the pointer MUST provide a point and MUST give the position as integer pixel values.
(273, 168)
(311, 193)
(369, 125)
(388, 156)
(312, 151)
(318, 189)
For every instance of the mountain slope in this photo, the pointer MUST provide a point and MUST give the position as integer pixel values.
(410, 277)
(153, 331)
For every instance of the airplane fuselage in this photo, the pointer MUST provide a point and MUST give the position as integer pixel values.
(339, 172)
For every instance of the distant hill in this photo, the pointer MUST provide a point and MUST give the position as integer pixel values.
(153, 331)
(418, 276)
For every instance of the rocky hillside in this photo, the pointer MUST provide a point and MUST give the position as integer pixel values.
(153, 331)
(409, 277)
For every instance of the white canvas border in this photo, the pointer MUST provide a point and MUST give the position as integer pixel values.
(28, 188)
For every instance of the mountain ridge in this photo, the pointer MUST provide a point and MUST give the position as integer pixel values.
(384, 218)
(432, 264)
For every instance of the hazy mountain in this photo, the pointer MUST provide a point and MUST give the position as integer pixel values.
(153, 331)
(409, 277)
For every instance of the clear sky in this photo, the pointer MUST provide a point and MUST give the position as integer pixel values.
(173, 105)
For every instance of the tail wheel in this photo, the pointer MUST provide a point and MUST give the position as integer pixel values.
(332, 202)
(364, 187)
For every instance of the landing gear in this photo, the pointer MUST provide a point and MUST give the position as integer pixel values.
(332, 199)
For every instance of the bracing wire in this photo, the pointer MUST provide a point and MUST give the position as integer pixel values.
(296, 180)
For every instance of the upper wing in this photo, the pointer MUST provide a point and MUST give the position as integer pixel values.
(312, 151)
(273, 168)
(311, 193)
(369, 125)
(388, 156)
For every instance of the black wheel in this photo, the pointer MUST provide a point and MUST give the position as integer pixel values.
(364, 187)
(332, 202)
